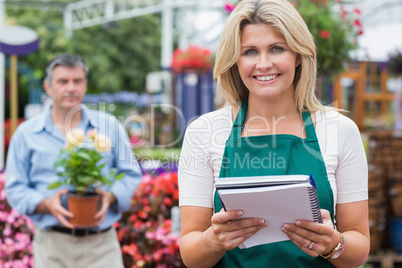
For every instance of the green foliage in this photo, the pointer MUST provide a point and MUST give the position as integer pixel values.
(334, 33)
(165, 154)
(119, 55)
(51, 35)
(81, 165)
(81, 169)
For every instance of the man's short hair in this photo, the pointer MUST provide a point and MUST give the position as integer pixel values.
(67, 60)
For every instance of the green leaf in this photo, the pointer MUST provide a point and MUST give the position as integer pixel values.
(87, 180)
(95, 173)
(55, 185)
(118, 177)
(112, 173)
(84, 155)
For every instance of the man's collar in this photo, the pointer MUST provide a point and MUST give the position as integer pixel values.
(41, 124)
(45, 119)
(88, 118)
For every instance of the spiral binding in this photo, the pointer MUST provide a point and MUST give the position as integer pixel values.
(315, 205)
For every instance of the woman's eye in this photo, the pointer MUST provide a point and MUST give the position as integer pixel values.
(250, 52)
(277, 49)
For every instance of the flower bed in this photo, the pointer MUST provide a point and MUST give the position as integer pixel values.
(144, 231)
(15, 234)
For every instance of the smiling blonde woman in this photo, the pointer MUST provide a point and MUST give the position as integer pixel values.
(266, 70)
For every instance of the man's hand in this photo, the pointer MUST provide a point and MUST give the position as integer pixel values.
(107, 198)
(53, 205)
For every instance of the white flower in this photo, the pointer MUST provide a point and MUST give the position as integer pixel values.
(74, 138)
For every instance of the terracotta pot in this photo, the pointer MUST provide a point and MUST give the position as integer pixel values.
(84, 208)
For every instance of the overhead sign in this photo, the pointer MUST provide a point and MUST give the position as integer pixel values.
(18, 40)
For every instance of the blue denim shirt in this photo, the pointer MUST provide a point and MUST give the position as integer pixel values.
(33, 150)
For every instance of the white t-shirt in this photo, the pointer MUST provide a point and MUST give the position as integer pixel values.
(204, 143)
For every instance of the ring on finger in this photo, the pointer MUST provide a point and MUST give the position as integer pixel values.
(311, 245)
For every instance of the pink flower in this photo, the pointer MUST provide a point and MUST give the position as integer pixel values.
(344, 13)
(7, 231)
(357, 11)
(358, 23)
(2, 195)
(18, 264)
(325, 34)
(229, 7)
(150, 235)
(157, 256)
(3, 215)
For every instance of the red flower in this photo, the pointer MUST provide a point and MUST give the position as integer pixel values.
(194, 58)
(357, 11)
(167, 201)
(142, 214)
(358, 23)
(149, 224)
(325, 34)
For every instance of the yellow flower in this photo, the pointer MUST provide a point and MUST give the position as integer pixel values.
(102, 143)
(92, 133)
(74, 138)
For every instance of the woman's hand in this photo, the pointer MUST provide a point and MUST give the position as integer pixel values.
(230, 231)
(311, 237)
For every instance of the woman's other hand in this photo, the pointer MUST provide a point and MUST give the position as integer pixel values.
(311, 237)
(230, 230)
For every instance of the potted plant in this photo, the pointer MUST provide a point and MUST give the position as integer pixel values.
(79, 165)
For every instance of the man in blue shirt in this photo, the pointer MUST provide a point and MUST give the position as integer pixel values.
(32, 152)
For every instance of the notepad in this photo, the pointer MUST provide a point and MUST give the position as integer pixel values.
(278, 199)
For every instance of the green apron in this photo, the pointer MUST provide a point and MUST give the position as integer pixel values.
(274, 155)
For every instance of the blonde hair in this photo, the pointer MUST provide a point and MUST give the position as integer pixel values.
(288, 24)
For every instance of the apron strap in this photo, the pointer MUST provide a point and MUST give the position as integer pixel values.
(238, 124)
(309, 126)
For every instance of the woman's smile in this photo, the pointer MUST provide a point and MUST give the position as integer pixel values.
(264, 78)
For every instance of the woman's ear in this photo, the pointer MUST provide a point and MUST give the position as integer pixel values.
(298, 60)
